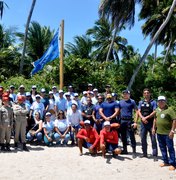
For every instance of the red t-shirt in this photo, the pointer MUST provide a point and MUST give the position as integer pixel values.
(91, 134)
(110, 137)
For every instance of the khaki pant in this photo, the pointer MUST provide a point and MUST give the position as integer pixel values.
(5, 133)
(20, 129)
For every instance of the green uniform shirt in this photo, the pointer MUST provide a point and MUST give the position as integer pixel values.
(164, 120)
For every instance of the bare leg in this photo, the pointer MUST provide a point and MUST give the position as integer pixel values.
(80, 143)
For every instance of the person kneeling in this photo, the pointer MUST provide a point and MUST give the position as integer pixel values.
(88, 138)
(109, 140)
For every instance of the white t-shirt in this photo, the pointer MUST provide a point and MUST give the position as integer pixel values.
(74, 118)
(38, 107)
(61, 124)
(49, 126)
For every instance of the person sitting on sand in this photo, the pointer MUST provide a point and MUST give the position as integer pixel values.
(61, 127)
(88, 138)
(48, 129)
(109, 139)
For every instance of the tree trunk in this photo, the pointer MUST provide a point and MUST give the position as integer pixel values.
(151, 44)
(167, 52)
(155, 56)
(25, 36)
(111, 45)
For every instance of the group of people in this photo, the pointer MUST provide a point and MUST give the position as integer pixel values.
(94, 120)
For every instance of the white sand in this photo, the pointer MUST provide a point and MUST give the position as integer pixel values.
(65, 163)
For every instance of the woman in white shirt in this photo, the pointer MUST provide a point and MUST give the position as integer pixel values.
(61, 127)
(48, 129)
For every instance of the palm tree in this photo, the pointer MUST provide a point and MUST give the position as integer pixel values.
(102, 34)
(121, 12)
(2, 4)
(25, 36)
(163, 25)
(82, 47)
(38, 40)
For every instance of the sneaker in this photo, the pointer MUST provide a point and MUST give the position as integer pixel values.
(164, 164)
(171, 168)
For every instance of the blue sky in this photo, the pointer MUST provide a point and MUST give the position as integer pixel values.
(78, 15)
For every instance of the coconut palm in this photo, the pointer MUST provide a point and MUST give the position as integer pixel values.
(102, 34)
(82, 47)
(38, 39)
(25, 36)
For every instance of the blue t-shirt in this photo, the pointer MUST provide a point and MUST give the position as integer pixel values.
(126, 108)
(96, 109)
(109, 108)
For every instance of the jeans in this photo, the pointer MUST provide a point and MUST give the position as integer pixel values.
(166, 143)
(38, 136)
(57, 137)
(144, 130)
(124, 128)
(72, 134)
(48, 143)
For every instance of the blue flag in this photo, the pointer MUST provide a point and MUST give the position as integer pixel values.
(51, 53)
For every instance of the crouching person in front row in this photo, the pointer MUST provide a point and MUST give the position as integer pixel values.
(6, 120)
(109, 140)
(48, 129)
(88, 138)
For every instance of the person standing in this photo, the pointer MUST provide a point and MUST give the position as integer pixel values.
(20, 112)
(164, 125)
(127, 125)
(146, 111)
(6, 123)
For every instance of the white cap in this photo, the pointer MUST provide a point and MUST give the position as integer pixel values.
(37, 96)
(89, 84)
(84, 92)
(48, 114)
(107, 123)
(75, 94)
(95, 90)
(67, 94)
(86, 122)
(161, 98)
(34, 87)
(42, 90)
(28, 94)
(54, 87)
(50, 92)
(21, 86)
(61, 91)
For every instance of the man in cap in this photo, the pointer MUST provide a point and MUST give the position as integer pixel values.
(146, 111)
(20, 112)
(127, 106)
(109, 109)
(88, 138)
(164, 125)
(6, 123)
(21, 92)
(109, 140)
(55, 92)
(89, 87)
(107, 90)
(44, 98)
(12, 94)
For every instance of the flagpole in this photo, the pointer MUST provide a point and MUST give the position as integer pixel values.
(61, 54)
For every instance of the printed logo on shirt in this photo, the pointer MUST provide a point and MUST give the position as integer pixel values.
(162, 116)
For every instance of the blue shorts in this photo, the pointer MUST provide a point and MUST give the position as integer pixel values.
(111, 147)
(86, 144)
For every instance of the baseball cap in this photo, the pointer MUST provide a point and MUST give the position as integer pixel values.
(161, 98)
(89, 84)
(28, 94)
(70, 86)
(75, 94)
(20, 98)
(84, 92)
(21, 86)
(109, 96)
(107, 123)
(67, 94)
(34, 87)
(37, 96)
(48, 114)
(54, 87)
(86, 122)
(126, 91)
(42, 90)
(12, 86)
(50, 92)
(95, 89)
(108, 86)
(61, 91)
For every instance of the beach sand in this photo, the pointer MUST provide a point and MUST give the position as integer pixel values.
(65, 163)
